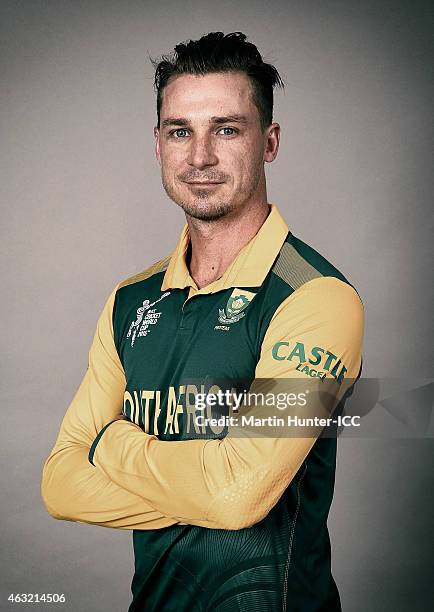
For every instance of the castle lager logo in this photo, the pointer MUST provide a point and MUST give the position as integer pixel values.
(324, 361)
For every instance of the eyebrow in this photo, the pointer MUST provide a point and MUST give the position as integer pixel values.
(229, 119)
(181, 121)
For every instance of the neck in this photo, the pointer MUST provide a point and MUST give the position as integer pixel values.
(215, 244)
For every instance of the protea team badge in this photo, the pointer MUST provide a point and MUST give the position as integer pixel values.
(237, 303)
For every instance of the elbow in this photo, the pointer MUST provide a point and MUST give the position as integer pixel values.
(50, 507)
(53, 512)
(50, 501)
(235, 514)
(50, 496)
(246, 501)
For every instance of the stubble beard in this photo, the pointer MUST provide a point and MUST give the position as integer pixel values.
(202, 207)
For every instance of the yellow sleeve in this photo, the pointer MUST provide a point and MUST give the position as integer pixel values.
(233, 483)
(71, 488)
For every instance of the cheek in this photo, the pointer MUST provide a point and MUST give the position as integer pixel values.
(170, 161)
(247, 158)
(235, 161)
(246, 166)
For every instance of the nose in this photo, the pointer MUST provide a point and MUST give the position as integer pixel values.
(201, 152)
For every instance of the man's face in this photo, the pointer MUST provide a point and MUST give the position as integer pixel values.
(210, 144)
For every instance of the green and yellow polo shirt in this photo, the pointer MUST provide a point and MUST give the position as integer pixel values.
(221, 521)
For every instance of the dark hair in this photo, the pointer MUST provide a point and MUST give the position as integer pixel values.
(217, 52)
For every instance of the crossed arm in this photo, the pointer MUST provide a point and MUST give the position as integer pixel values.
(140, 482)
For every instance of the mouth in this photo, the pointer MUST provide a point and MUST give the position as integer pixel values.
(204, 183)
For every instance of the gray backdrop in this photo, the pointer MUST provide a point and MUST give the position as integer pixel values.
(83, 207)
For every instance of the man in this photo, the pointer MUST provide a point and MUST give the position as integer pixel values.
(221, 522)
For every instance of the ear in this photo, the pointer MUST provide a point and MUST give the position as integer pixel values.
(272, 139)
(157, 144)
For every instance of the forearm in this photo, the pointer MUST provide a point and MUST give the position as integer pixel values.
(73, 490)
(224, 484)
(221, 484)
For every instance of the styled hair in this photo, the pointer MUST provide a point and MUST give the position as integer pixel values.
(217, 52)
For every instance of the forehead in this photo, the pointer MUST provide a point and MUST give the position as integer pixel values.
(196, 96)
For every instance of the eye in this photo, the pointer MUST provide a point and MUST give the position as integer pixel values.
(228, 131)
(179, 133)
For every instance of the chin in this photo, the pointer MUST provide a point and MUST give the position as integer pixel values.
(205, 210)
(206, 214)
(201, 207)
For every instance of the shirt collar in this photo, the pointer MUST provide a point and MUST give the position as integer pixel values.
(249, 268)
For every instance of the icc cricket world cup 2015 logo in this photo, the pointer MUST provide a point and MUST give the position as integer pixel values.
(140, 326)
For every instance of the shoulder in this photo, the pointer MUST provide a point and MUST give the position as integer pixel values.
(298, 264)
(326, 301)
(317, 317)
(312, 287)
(310, 295)
(157, 268)
(128, 287)
(131, 293)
